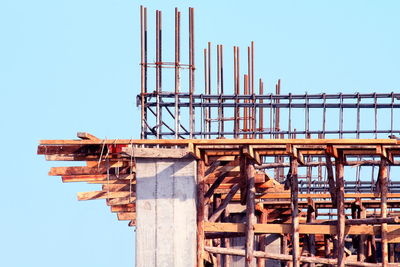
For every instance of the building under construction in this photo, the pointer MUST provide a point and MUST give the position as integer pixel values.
(233, 174)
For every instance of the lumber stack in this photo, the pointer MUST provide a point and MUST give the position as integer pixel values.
(104, 166)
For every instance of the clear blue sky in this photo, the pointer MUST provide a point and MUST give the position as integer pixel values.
(68, 66)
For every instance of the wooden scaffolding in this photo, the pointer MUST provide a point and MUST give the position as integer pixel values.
(341, 225)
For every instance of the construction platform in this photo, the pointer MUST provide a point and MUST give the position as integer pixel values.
(218, 191)
(250, 178)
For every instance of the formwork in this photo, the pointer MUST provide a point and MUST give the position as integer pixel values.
(231, 175)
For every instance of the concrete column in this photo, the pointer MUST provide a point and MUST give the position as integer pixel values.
(165, 207)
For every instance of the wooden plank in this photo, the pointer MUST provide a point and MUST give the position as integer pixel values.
(393, 230)
(82, 170)
(371, 221)
(126, 216)
(328, 195)
(234, 177)
(99, 178)
(109, 164)
(120, 201)
(283, 257)
(160, 153)
(75, 149)
(124, 208)
(102, 195)
(221, 158)
(86, 136)
(224, 141)
(118, 187)
(72, 157)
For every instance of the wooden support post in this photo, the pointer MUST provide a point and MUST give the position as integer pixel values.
(243, 182)
(372, 249)
(340, 210)
(334, 246)
(295, 212)
(261, 238)
(217, 203)
(250, 216)
(311, 238)
(221, 208)
(363, 238)
(327, 250)
(391, 252)
(201, 190)
(383, 188)
(214, 186)
(226, 241)
(331, 180)
(284, 248)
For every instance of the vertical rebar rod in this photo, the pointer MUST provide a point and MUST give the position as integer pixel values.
(271, 125)
(375, 116)
(158, 73)
(245, 110)
(143, 67)
(278, 159)
(221, 47)
(320, 161)
(238, 85)
(341, 116)
(290, 134)
(261, 111)
(219, 118)
(157, 77)
(391, 114)
(277, 114)
(177, 71)
(206, 110)
(235, 87)
(145, 64)
(209, 88)
(252, 67)
(358, 116)
(191, 71)
(307, 115)
(324, 117)
(249, 110)
(253, 120)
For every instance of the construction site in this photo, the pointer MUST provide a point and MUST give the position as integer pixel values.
(236, 174)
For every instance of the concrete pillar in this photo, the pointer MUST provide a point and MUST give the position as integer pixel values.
(273, 245)
(165, 207)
